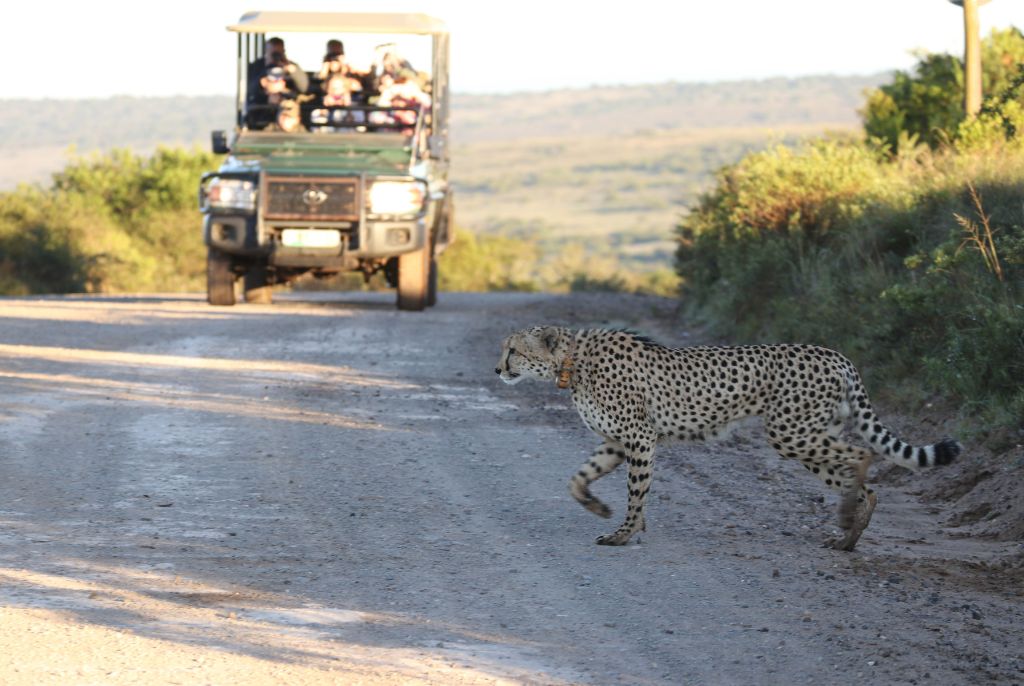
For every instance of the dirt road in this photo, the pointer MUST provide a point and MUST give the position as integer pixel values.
(327, 491)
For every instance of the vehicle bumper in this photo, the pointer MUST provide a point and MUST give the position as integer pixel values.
(248, 237)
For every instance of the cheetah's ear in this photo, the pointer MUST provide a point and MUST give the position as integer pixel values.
(551, 336)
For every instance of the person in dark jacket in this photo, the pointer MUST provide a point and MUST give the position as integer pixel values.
(295, 80)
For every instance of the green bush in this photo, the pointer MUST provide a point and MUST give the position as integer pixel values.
(110, 223)
(488, 263)
(37, 255)
(912, 267)
(503, 263)
(123, 222)
(970, 288)
(997, 125)
(773, 230)
(909, 259)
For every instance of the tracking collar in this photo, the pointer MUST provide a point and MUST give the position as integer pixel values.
(565, 371)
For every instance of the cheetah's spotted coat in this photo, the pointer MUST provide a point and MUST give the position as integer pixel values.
(634, 393)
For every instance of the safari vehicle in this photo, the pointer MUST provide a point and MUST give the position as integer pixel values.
(361, 188)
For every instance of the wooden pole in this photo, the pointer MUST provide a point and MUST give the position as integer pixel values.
(972, 59)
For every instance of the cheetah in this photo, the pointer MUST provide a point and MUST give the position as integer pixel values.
(635, 393)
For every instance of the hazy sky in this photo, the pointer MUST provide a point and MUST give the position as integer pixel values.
(95, 49)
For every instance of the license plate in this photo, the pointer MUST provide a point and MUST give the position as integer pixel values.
(310, 238)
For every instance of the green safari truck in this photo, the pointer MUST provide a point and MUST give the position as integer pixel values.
(338, 170)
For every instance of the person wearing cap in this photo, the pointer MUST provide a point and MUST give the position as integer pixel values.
(275, 65)
(334, 59)
(334, 63)
(334, 47)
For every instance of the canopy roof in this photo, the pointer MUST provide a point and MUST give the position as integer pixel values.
(337, 22)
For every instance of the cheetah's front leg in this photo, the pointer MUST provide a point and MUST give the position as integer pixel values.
(641, 464)
(603, 461)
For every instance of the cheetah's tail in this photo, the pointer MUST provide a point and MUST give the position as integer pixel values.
(885, 443)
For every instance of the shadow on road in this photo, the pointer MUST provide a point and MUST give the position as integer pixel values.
(224, 480)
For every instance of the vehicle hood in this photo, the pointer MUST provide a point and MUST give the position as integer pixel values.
(311, 153)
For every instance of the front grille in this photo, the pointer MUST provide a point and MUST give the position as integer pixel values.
(311, 198)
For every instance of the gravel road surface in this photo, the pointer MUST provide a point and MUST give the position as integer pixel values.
(328, 491)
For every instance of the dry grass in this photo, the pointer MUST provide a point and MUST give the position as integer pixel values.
(612, 194)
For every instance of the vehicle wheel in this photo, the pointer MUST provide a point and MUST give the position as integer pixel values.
(413, 278)
(257, 288)
(220, 279)
(432, 283)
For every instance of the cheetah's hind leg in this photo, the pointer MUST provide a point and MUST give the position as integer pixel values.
(860, 520)
(841, 466)
(603, 461)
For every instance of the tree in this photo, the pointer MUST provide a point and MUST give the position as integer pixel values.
(926, 103)
(972, 55)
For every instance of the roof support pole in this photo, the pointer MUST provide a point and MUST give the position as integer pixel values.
(240, 83)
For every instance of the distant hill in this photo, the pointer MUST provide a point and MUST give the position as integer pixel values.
(112, 122)
(36, 135)
(146, 122)
(634, 109)
(609, 167)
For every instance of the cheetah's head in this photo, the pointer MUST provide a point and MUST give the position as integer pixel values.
(530, 353)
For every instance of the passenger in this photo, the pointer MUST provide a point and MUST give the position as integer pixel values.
(404, 91)
(386, 64)
(289, 118)
(274, 86)
(389, 62)
(338, 91)
(294, 79)
(335, 47)
(334, 60)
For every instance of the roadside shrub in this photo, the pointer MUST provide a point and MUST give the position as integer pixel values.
(503, 263)
(971, 286)
(998, 124)
(36, 257)
(488, 263)
(117, 222)
(906, 252)
(915, 269)
(774, 228)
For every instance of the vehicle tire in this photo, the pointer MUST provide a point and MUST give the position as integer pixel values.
(257, 288)
(432, 283)
(413, 278)
(220, 278)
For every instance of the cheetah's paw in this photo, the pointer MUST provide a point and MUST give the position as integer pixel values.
(617, 538)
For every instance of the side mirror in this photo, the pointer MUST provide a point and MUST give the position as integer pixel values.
(219, 142)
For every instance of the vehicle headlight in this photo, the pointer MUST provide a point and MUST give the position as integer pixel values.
(231, 194)
(396, 197)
